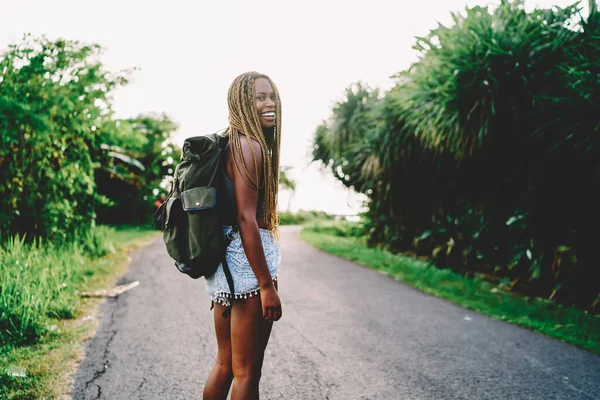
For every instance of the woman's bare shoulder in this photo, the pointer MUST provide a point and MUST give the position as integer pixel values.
(247, 143)
(252, 158)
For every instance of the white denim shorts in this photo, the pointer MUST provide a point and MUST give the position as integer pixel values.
(244, 280)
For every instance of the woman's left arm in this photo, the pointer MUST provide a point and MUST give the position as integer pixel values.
(247, 203)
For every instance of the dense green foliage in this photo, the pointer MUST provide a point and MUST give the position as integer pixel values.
(63, 153)
(53, 96)
(486, 153)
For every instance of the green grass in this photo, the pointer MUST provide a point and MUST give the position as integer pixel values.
(42, 312)
(567, 324)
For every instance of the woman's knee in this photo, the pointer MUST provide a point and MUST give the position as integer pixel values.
(251, 374)
(223, 365)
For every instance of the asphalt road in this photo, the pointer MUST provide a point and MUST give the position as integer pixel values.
(347, 332)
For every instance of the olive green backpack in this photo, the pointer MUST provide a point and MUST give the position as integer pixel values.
(189, 216)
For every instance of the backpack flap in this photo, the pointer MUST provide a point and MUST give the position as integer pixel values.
(199, 198)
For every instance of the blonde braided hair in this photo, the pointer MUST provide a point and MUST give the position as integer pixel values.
(244, 119)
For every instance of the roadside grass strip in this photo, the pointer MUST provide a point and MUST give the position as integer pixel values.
(44, 316)
(554, 320)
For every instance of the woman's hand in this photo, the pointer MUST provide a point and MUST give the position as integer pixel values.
(271, 304)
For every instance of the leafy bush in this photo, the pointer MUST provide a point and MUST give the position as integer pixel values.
(54, 99)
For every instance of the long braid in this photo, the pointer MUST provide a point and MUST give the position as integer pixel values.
(243, 118)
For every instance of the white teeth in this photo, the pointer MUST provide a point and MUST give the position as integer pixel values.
(269, 114)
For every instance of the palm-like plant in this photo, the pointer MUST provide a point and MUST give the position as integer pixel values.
(285, 180)
(499, 118)
(340, 143)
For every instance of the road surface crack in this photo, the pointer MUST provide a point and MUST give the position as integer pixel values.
(105, 362)
(310, 342)
(138, 388)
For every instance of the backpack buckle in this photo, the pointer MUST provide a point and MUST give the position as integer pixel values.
(232, 234)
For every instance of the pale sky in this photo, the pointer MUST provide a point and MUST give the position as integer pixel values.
(188, 53)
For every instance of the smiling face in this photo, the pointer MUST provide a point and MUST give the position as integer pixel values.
(265, 102)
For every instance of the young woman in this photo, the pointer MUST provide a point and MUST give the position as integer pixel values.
(248, 199)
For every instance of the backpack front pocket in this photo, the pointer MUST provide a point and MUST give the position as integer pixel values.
(199, 198)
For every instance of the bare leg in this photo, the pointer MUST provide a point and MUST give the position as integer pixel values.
(220, 377)
(249, 336)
